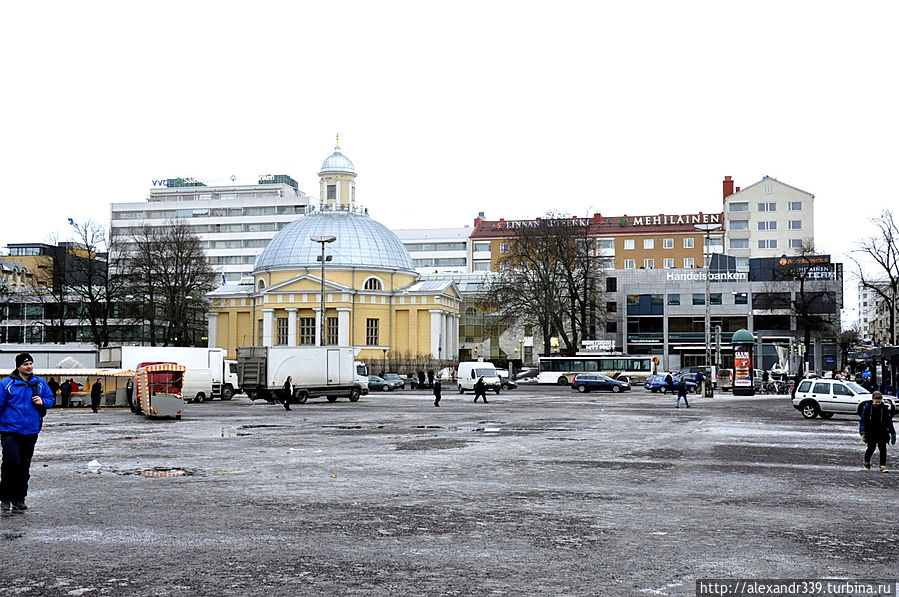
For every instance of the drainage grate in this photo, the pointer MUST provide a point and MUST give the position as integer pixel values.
(162, 471)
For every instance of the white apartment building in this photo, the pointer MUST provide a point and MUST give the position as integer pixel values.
(867, 311)
(766, 219)
(438, 250)
(234, 223)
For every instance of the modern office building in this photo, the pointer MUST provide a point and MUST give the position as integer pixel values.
(438, 250)
(766, 219)
(234, 223)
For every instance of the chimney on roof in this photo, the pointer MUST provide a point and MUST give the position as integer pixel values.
(728, 186)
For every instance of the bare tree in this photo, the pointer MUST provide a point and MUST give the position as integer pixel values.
(882, 248)
(549, 277)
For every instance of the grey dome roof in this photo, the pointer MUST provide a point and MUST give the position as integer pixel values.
(337, 162)
(361, 242)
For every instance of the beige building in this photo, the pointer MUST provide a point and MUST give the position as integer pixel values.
(373, 297)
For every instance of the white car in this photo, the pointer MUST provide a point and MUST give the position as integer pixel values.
(828, 397)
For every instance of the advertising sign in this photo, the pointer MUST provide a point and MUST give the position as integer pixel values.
(742, 367)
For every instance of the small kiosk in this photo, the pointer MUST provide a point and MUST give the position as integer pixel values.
(743, 343)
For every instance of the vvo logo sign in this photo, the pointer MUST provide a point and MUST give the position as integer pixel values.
(161, 183)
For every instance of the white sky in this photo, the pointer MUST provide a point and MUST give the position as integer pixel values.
(511, 108)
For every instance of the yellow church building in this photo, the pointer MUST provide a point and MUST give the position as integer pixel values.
(373, 298)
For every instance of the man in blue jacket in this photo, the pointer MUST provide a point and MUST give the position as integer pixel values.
(24, 400)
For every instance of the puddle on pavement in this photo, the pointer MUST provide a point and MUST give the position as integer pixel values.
(242, 430)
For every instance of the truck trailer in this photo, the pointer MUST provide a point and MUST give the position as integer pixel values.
(328, 371)
(222, 370)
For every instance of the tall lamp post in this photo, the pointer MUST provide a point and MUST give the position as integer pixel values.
(707, 258)
(323, 240)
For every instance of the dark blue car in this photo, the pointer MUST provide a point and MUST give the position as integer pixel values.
(656, 383)
(586, 382)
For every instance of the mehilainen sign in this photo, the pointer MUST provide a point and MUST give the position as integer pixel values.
(700, 275)
(676, 219)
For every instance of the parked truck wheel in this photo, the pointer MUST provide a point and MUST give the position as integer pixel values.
(227, 393)
(301, 396)
(200, 398)
(332, 398)
(354, 395)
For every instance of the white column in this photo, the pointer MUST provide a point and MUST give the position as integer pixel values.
(454, 332)
(212, 323)
(318, 325)
(291, 326)
(268, 322)
(444, 335)
(343, 326)
(436, 316)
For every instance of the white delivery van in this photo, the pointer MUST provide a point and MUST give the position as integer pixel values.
(469, 372)
(197, 385)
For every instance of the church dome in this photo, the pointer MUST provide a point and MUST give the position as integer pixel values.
(361, 242)
(337, 163)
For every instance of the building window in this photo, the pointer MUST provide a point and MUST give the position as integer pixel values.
(605, 243)
(605, 263)
(768, 206)
(373, 284)
(611, 307)
(611, 327)
(688, 243)
(481, 266)
(768, 225)
(628, 243)
(689, 262)
(282, 331)
(768, 244)
(795, 225)
(504, 247)
(667, 243)
(481, 247)
(307, 331)
(795, 243)
(649, 264)
(699, 299)
(769, 188)
(371, 332)
(742, 262)
(649, 243)
(332, 191)
(739, 243)
(739, 224)
(739, 206)
(674, 300)
(715, 298)
(741, 298)
(795, 206)
(630, 264)
(668, 263)
(331, 333)
(611, 284)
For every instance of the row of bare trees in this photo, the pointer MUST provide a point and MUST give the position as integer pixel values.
(877, 264)
(154, 279)
(549, 277)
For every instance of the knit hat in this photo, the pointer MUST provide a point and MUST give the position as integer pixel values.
(23, 357)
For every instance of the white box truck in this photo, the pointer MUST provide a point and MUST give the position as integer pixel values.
(222, 370)
(328, 371)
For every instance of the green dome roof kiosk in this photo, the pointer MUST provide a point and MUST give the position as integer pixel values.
(743, 343)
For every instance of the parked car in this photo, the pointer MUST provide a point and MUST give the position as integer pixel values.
(656, 383)
(398, 380)
(690, 372)
(376, 382)
(828, 397)
(505, 382)
(586, 382)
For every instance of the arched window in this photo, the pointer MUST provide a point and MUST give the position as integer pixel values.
(373, 284)
(471, 311)
(260, 285)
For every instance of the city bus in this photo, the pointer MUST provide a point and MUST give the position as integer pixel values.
(561, 370)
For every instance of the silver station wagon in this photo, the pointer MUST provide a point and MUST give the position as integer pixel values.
(828, 397)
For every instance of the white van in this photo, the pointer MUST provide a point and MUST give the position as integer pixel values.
(197, 385)
(469, 372)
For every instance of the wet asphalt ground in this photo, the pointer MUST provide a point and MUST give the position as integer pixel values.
(543, 491)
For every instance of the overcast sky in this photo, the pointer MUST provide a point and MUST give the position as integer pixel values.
(448, 109)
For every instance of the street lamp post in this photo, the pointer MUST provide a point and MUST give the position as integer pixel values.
(323, 240)
(707, 228)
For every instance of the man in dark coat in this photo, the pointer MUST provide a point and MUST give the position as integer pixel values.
(96, 394)
(682, 392)
(421, 378)
(65, 390)
(480, 389)
(129, 393)
(669, 383)
(437, 392)
(287, 393)
(876, 427)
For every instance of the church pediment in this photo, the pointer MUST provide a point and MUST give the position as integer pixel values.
(307, 283)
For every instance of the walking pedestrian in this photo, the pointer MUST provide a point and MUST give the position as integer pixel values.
(430, 377)
(96, 393)
(65, 390)
(287, 392)
(437, 390)
(24, 400)
(421, 378)
(53, 385)
(682, 392)
(129, 393)
(876, 427)
(480, 389)
(669, 382)
(700, 383)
